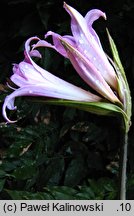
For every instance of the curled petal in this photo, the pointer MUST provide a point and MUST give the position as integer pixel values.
(88, 42)
(93, 15)
(8, 103)
(74, 93)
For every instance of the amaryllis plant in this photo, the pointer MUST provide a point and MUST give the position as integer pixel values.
(84, 50)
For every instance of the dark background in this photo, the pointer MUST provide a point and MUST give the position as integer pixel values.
(56, 152)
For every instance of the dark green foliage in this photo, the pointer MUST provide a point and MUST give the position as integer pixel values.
(56, 152)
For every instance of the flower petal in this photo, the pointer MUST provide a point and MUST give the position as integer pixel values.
(74, 93)
(34, 73)
(87, 42)
(89, 73)
(35, 53)
(30, 73)
(57, 43)
(92, 16)
(78, 23)
(45, 74)
(18, 80)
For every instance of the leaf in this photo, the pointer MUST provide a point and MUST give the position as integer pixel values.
(2, 182)
(24, 172)
(62, 192)
(122, 80)
(53, 172)
(19, 195)
(9, 166)
(18, 149)
(2, 173)
(76, 172)
(86, 193)
(116, 55)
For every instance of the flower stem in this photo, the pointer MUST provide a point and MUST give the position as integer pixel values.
(123, 168)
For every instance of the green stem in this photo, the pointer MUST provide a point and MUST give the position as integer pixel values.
(123, 167)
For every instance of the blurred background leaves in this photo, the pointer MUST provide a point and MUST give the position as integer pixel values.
(56, 152)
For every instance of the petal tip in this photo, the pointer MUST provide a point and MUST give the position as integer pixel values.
(64, 4)
(5, 116)
(104, 16)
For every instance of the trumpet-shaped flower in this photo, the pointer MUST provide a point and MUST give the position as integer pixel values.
(85, 52)
(33, 80)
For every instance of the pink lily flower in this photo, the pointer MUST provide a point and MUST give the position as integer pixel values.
(85, 52)
(33, 80)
